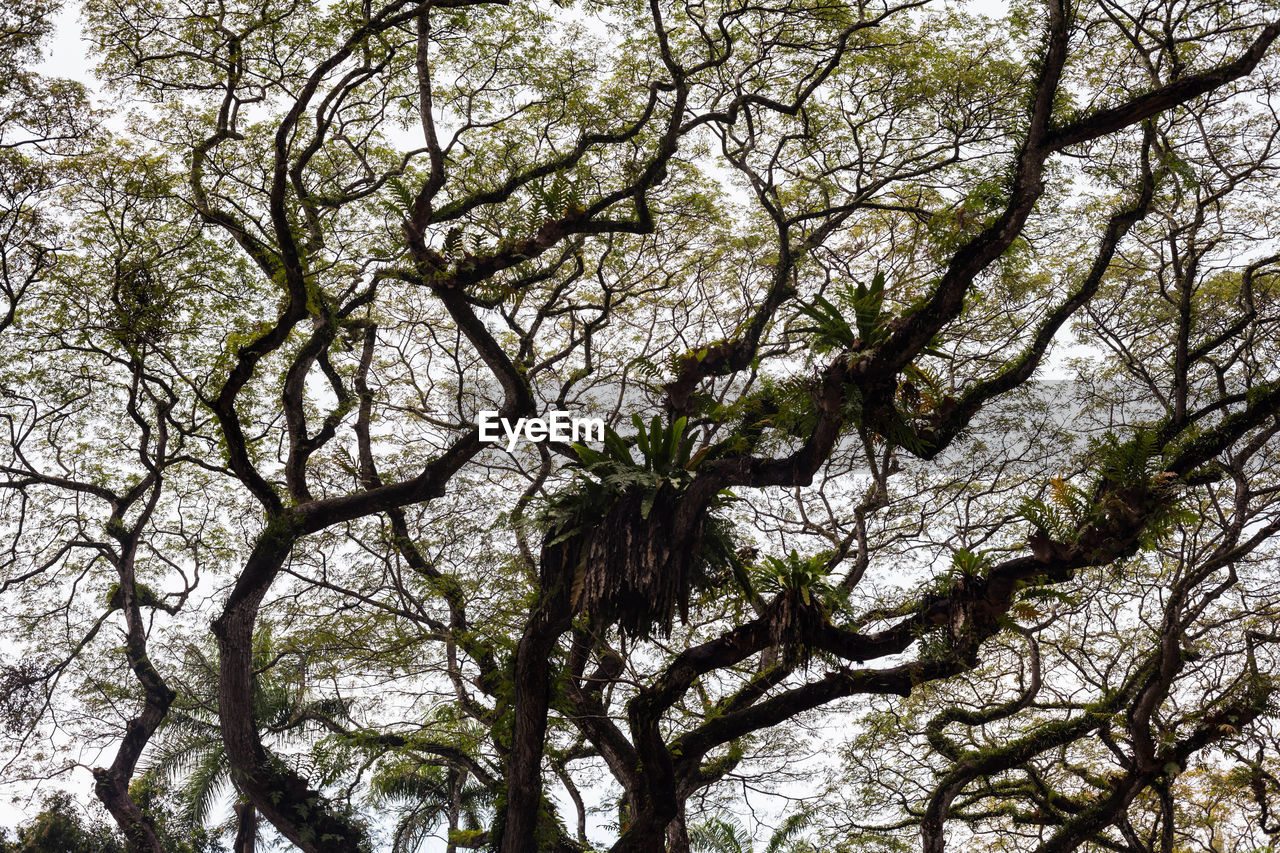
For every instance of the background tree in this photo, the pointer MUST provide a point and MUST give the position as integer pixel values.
(59, 829)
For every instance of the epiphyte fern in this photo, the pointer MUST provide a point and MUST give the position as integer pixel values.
(664, 462)
(830, 328)
(803, 599)
(616, 541)
(1062, 515)
(1129, 491)
(807, 577)
(1126, 462)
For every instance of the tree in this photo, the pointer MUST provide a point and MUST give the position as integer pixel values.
(189, 761)
(727, 835)
(59, 829)
(807, 260)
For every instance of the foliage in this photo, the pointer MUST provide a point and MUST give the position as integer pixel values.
(424, 797)
(189, 764)
(664, 464)
(640, 580)
(857, 551)
(726, 834)
(806, 577)
(830, 329)
(1127, 471)
(60, 828)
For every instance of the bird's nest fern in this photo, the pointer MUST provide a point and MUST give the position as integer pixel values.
(621, 541)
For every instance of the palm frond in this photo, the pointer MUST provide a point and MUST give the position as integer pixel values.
(208, 780)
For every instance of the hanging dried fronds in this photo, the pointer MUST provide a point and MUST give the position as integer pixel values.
(617, 536)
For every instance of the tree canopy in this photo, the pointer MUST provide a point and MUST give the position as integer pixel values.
(937, 347)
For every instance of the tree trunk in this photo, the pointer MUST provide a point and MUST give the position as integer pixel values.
(113, 791)
(283, 797)
(246, 828)
(111, 784)
(529, 730)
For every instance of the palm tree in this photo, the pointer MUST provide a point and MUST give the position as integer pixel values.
(428, 797)
(726, 834)
(190, 759)
(190, 756)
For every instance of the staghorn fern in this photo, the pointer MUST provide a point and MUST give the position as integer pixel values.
(614, 537)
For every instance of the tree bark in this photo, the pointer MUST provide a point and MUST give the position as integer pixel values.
(532, 687)
(246, 839)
